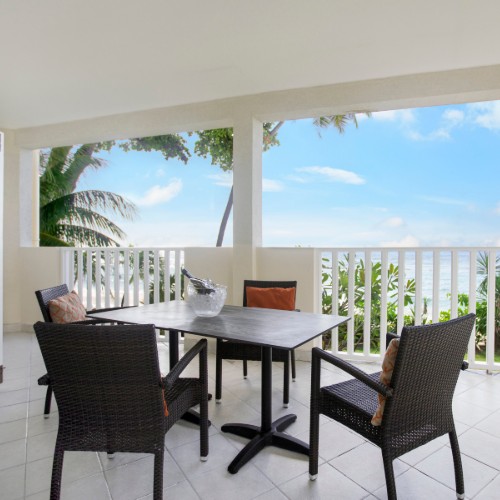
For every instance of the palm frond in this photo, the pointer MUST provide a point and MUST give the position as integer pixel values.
(84, 236)
(80, 160)
(49, 240)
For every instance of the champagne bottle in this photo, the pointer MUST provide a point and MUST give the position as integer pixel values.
(203, 287)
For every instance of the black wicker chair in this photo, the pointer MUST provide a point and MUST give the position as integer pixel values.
(248, 352)
(108, 388)
(44, 297)
(419, 400)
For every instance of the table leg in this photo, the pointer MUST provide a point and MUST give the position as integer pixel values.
(269, 433)
(173, 352)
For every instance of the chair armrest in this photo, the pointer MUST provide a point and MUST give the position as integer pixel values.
(93, 311)
(199, 348)
(319, 354)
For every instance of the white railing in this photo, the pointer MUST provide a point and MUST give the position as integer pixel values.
(437, 284)
(117, 275)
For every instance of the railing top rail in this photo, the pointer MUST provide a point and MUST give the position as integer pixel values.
(408, 249)
(110, 249)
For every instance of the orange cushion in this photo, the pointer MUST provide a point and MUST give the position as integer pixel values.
(385, 378)
(67, 309)
(271, 298)
(165, 409)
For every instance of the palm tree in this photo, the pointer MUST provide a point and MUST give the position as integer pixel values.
(224, 143)
(69, 218)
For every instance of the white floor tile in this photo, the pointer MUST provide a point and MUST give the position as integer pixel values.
(439, 466)
(274, 474)
(329, 484)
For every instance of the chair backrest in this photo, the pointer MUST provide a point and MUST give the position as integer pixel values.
(425, 374)
(46, 295)
(106, 381)
(266, 284)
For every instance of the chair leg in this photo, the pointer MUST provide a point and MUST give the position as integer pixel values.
(48, 399)
(218, 374)
(158, 478)
(457, 462)
(57, 466)
(286, 382)
(294, 372)
(390, 482)
(313, 443)
(245, 369)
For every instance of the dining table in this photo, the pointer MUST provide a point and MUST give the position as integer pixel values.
(267, 328)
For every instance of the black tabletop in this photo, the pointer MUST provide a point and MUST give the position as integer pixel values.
(266, 327)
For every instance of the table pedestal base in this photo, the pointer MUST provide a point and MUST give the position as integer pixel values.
(259, 439)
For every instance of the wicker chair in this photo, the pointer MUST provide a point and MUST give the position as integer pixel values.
(108, 388)
(419, 400)
(249, 352)
(44, 297)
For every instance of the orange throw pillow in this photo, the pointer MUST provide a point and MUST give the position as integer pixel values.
(67, 309)
(271, 298)
(385, 378)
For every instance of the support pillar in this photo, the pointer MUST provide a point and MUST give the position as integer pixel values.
(247, 214)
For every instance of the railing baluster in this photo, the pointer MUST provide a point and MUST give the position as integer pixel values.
(418, 287)
(435, 285)
(116, 273)
(107, 287)
(146, 275)
(490, 322)
(334, 257)
(401, 290)
(156, 260)
(368, 304)
(384, 268)
(126, 277)
(471, 351)
(166, 272)
(89, 279)
(98, 288)
(136, 277)
(178, 290)
(351, 299)
(80, 271)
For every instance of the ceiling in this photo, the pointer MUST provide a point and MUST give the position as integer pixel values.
(66, 60)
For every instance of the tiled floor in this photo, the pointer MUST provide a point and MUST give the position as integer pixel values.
(351, 468)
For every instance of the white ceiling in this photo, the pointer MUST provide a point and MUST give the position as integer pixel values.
(65, 60)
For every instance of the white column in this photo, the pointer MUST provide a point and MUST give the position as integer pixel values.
(2, 147)
(247, 203)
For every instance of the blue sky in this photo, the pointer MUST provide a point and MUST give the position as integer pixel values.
(417, 177)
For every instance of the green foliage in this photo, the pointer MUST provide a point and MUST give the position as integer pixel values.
(359, 301)
(69, 218)
(392, 306)
(218, 144)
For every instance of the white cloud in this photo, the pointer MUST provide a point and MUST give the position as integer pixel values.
(394, 222)
(159, 194)
(272, 186)
(297, 178)
(486, 114)
(443, 200)
(396, 115)
(406, 241)
(453, 116)
(224, 179)
(334, 174)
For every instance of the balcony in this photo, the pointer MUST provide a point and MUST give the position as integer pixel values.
(27, 441)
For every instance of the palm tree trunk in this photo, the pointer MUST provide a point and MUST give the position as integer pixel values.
(229, 204)
(225, 218)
